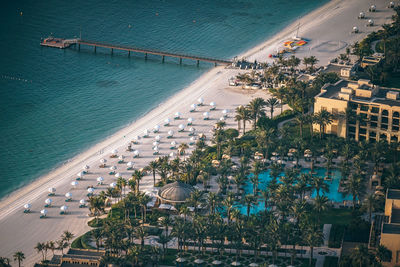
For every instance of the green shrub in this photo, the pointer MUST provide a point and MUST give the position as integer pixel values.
(336, 236)
(96, 223)
(331, 261)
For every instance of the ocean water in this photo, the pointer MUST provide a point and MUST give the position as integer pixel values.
(265, 177)
(56, 103)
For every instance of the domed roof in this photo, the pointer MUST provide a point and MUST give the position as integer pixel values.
(175, 192)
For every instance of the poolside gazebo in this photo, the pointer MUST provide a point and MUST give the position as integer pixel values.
(174, 193)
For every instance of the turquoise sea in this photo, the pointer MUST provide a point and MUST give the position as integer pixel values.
(56, 103)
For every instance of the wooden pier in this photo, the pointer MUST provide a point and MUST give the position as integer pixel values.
(146, 52)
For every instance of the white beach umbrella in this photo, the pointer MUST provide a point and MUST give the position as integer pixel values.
(172, 154)
(198, 261)
(52, 190)
(48, 201)
(112, 185)
(118, 175)
(146, 133)
(82, 202)
(86, 167)
(206, 115)
(173, 144)
(90, 190)
(135, 139)
(190, 121)
(213, 105)
(167, 121)
(44, 212)
(100, 179)
(177, 115)
(113, 168)
(192, 140)
(362, 15)
(157, 138)
(170, 133)
(225, 113)
(222, 119)
(216, 262)
(68, 195)
(181, 127)
(121, 157)
(192, 130)
(136, 153)
(114, 152)
(193, 107)
(74, 183)
(253, 264)
(370, 22)
(64, 208)
(103, 161)
(355, 29)
(155, 148)
(200, 100)
(156, 128)
(27, 206)
(155, 143)
(130, 164)
(80, 174)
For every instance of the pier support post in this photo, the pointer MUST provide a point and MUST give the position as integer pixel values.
(95, 49)
(112, 51)
(79, 47)
(129, 53)
(180, 61)
(198, 63)
(145, 56)
(215, 64)
(163, 59)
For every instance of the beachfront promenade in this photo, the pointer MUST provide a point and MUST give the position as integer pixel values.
(65, 43)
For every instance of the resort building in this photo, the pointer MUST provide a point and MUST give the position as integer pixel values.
(371, 60)
(343, 69)
(362, 111)
(174, 193)
(390, 234)
(76, 257)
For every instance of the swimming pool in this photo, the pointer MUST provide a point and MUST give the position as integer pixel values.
(265, 177)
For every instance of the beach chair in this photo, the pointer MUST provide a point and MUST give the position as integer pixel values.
(42, 216)
(27, 211)
(191, 133)
(47, 205)
(68, 200)
(62, 212)
(121, 161)
(51, 194)
(156, 153)
(82, 206)
(111, 173)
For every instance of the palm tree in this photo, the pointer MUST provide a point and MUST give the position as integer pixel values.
(182, 148)
(272, 103)
(323, 118)
(313, 238)
(5, 262)
(40, 249)
(313, 61)
(320, 205)
(67, 236)
(97, 234)
(228, 203)
(361, 255)
(301, 119)
(96, 206)
(249, 201)
(256, 109)
(19, 256)
(137, 176)
(319, 184)
(244, 115)
(370, 204)
(61, 244)
(355, 187)
(383, 254)
(140, 233)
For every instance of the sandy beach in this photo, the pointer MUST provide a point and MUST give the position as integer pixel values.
(328, 29)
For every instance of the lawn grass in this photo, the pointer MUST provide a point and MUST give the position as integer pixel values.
(336, 216)
(336, 235)
(331, 261)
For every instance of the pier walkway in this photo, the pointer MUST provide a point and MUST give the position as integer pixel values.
(144, 51)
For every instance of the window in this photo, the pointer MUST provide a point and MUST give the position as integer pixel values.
(334, 129)
(395, 122)
(384, 127)
(374, 110)
(395, 128)
(372, 134)
(384, 120)
(352, 129)
(383, 137)
(373, 125)
(374, 118)
(362, 138)
(363, 131)
(395, 114)
(393, 138)
(385, 112)
(364, 108)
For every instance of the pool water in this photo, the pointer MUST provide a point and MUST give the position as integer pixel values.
(265, 177)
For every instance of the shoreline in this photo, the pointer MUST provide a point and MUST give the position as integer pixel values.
(210, 85)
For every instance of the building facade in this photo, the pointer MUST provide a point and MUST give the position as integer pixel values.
(361, 110)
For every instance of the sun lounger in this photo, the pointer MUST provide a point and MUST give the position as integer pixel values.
(62, 212)
(27, 211)
(68, 200)
(82, 206)
(42, 217)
